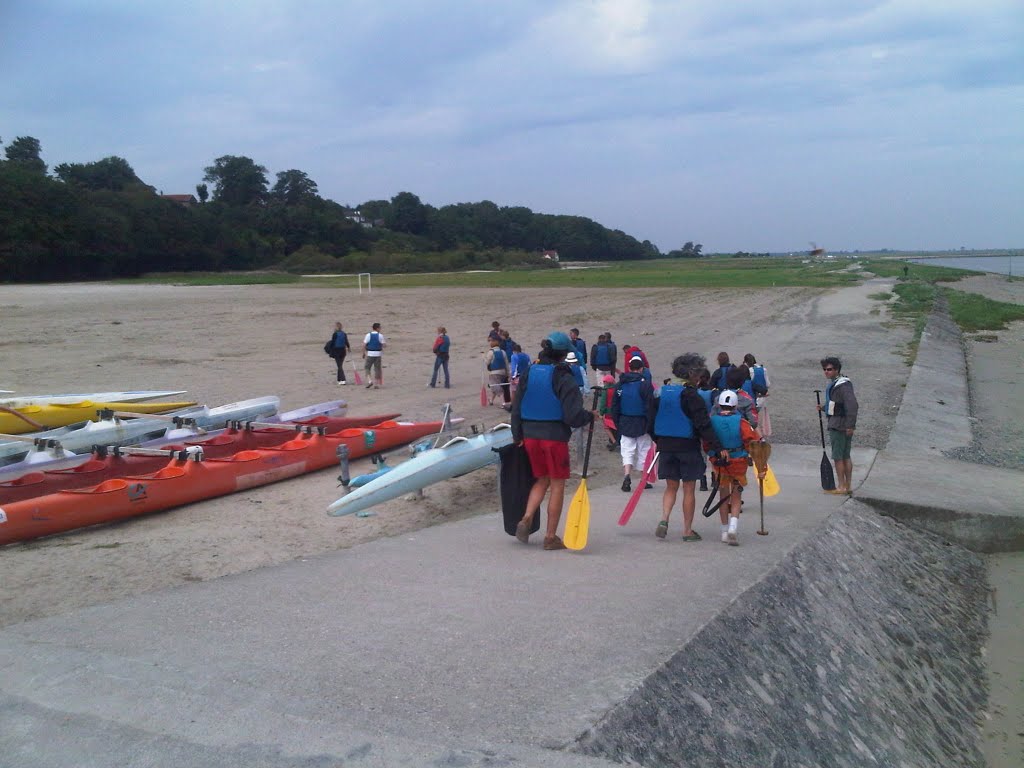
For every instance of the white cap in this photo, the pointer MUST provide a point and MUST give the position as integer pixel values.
(571, 358)
(728, 399)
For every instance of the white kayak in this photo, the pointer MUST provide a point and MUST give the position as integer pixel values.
(457, 457)
(53, 444)
(44, 458)
(131, 396)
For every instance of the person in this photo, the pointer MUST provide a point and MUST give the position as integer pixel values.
(629, 351)
(579, 345)
(734, 434)
(734, 379)
(373, 349)
(760, 383)
(496, 364)
(518, 363)
(841, 409)
(442, 345)
(704, 389)
(630, 408)
(605, 411)
(506, 343)
(602, 357)
(547, 406)
(495, 332)
(718, 376)
(577, 372)
(678, 422)
(340, 347)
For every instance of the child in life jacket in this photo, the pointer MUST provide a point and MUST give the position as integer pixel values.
(735, 434)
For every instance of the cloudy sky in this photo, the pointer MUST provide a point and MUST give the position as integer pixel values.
(740, 125)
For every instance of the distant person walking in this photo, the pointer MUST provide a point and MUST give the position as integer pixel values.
(518, 364)
(602, 358)
(719, 374)
(579, 345)
(495, 332)
(496, 364)
(442, 344)
(633, 396)
(841, 409)
(759, 383)
(340, 347)
(373, 349)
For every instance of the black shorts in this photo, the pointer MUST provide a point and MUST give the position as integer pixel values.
(686, 466)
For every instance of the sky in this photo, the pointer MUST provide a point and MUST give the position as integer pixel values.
(754, 126)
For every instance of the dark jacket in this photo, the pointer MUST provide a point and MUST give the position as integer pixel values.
(573, 412)
(695, 410)
(612, 357)
(718, 376)
(632, 426)
(841, 393)
(581, 351)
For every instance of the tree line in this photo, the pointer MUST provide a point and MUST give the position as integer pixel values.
(100, 220)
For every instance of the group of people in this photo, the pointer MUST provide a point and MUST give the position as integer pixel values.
(339, 347)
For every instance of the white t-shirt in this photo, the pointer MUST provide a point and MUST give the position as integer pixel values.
(366, 340)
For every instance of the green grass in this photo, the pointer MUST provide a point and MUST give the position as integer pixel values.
(683, 273)
(880, 296)
(894, 268)
(973, 312)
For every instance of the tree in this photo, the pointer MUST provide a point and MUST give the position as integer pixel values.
(26, 152)
(202, 192)
(113, 173)
(294, 187)
(237, 180)
(407, 214)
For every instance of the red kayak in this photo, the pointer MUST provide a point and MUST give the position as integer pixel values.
(186, 480)
(110, 463)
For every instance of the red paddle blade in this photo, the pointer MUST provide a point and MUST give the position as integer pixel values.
(483, 395)
(355, 372)
(649, 471)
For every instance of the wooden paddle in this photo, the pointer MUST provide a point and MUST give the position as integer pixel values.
(646, 477)
(828, 479)
(577, 521)
(760, 452)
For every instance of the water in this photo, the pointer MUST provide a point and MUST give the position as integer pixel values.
(1002, 265)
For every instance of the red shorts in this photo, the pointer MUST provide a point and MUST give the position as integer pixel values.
(548, 458)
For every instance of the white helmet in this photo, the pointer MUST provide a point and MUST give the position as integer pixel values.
(728, 399)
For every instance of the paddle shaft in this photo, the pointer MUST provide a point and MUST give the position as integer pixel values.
(821, 422)
(590, 436)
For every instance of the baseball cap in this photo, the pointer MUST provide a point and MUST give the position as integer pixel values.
(728, 399)
(559, 341)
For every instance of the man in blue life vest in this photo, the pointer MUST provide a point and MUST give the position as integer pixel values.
(340, 347)
(678, 422)
(579, 345)
(718, 375)
(760, 384)
(518, 364)
(602, 358)
(496, 364)
(373, 348)
(734, 434)
(547, 407)
(630, 412)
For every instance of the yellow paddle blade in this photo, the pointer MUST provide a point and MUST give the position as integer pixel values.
(771, 485)
(577, 521)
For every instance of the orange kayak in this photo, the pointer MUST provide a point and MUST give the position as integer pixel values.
(184, 481)
(106, 464)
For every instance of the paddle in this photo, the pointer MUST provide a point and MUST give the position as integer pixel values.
(760, 452)
(483, 390)
(646, 477)
(577, 521)
(828, 480)
(355, 374)
(771, 484)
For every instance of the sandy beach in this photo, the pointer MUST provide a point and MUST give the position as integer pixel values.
(228, 343)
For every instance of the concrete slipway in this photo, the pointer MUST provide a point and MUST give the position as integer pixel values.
(841, 638)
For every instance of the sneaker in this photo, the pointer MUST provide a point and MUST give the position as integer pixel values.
(725, 537)
(648, 486)
(627, 484)
(370, 385)
(662, 530)
(731, 534)
(731, 539)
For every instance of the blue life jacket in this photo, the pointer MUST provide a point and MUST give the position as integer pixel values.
(760, 380)
(708, 397)
(601, 354)
(520, 362)
(506, 347)
(340, 340)
(727, 429)
(577, 373)
(646, 373)
(374, 345)
(498, 361)
(581, 350)
(630, 402)
(722, 372)
(671, 420)
(748, 387)
(540, 403)
(445, 345)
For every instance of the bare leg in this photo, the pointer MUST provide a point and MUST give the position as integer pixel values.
(689, 505)
(554, 504)
(540, 487)
(668, 499)
(844, 472)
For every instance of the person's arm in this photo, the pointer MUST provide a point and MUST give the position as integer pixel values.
(568, 393)
(348, 346)
(850, 404)
(697, 413)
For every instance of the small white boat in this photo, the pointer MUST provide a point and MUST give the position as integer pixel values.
(131, 396)
(457, 457)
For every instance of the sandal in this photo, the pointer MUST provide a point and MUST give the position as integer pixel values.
(554, 543)
(662, 530)
(694, 536)
(523, 531)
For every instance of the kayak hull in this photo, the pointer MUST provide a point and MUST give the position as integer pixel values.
(62, 414)
(458, 457)
(186, 481)
(130, 396)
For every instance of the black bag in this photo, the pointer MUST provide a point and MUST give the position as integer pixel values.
(329, 347)
(515, 481)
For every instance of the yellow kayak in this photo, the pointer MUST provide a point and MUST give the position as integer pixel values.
(62, 414)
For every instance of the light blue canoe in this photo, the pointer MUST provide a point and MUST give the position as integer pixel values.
(457, 457)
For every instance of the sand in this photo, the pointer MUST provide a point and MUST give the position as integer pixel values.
(229, 343)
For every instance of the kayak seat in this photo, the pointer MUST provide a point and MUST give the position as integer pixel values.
(92, 465)
(30, 478)
(107, 486)
(250, 455)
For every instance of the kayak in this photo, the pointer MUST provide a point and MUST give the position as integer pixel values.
(62, 414)
(131, 396)
(458, 456)
(115, 431)
(184, 480)
(105, 463)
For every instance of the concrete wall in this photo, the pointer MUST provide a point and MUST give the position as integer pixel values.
(861, 648)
